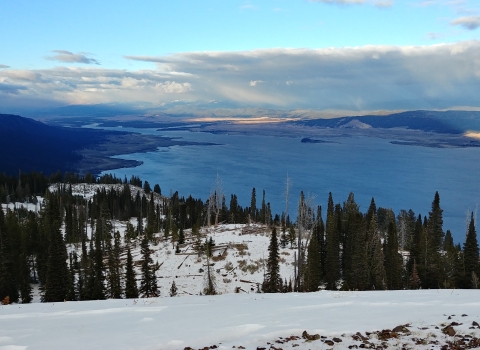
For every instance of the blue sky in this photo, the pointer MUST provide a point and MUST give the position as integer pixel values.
(159, 51)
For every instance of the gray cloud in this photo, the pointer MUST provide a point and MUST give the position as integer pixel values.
(4, 66)
(367, 77)
(360, 78)
(10, 89)
(70, 57)
(470, 23)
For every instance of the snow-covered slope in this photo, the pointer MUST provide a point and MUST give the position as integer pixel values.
(245, 321)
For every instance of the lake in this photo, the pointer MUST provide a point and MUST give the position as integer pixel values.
(397, 176)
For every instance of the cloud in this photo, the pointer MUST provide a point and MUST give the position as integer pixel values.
(4, 66)
(470, 23)
(10, 89)
(70, 57)
(255, 82)
(384, 3)
(355, 78)
(435, 36)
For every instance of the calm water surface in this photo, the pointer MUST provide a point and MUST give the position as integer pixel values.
(398, 177)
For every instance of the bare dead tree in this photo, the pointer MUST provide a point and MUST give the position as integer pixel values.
(305, 223)
(215, 200)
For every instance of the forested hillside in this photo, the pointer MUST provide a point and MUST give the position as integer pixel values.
(90, 238)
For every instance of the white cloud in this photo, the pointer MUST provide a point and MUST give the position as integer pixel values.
(70, 57)
(470, 23)
(4, 66)
(384, 3)
(368, 78)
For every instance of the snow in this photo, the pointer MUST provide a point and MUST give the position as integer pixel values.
(228, 320)
(247, 320)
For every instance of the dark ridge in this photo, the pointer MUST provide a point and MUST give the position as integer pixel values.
(29, 145)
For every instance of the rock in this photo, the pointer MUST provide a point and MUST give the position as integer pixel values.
(187, 348)
(464, 315)
(449, 331)
(329, 342)
(337, 340)
(261, 348)
(475, 324)
(310, 337)
(400, 329)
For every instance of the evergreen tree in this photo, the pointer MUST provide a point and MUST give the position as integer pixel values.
(8, 285)
(253, 205)
(435, 225)
(332, 260)
(148, 284)
(375, 257)
(393, 260)
(209, 280)
(114, 282)
(313, 270)
(173, 289)
(471, 256)
(131, 289)
(56, 287)
(97, 270)
(414, 278)
(273, 282)
(25, 286)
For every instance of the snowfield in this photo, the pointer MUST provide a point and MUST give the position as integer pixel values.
(238, 317)
(243, 321)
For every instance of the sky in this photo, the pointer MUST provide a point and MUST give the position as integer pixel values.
(282, 54)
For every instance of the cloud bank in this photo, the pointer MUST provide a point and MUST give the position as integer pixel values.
(70, 57)
(358, 78)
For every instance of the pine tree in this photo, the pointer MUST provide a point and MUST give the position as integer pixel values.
(332, 260)
(253, 205)
(209, 281)
(25, 286)
(173, 289)
(393, 260)
(414, 279)
(97, 270)
(313, 270)
(470, 253)
(434, 273)
(114, 283)
(273, 282)
(148, 284)
(131, 289)
(56, 286)
(8, 285)
(375, 257)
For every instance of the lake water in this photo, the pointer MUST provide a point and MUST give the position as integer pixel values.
(398, 177)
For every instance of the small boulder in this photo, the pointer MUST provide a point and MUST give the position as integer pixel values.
(310, 337)
(449, 331)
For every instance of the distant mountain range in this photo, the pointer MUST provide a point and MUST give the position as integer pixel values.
(29, 145)
(448, 122)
